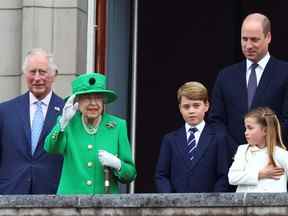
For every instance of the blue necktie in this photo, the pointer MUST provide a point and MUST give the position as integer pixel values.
(37, 125)
(191, 143)
(252, 84)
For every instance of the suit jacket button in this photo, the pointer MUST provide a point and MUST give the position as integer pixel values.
(89, 182)
(54, 136)
(90, 146)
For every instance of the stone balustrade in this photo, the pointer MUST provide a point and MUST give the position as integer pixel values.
(147, 204)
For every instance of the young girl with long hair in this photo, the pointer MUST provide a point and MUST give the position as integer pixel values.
(262, 164)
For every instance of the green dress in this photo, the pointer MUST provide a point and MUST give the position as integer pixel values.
(82, 172)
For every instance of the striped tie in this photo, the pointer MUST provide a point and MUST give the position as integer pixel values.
(37, 125)
(191, 143)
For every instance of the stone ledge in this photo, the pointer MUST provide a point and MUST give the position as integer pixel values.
(147, 200)
(147, 204)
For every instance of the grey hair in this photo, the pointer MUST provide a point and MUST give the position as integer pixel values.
(52, 66)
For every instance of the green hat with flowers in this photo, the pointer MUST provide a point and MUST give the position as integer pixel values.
(93, 83)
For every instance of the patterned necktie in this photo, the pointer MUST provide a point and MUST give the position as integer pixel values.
(191, 143)
(252, 84)
(37, 125)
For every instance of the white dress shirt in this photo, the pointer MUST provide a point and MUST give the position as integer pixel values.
(247, 164)
(259, 70)
(45, 103)
(197, 134)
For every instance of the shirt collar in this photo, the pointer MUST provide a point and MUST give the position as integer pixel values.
(255, 148)
(199, 126)
(262, 63)
(45, 100)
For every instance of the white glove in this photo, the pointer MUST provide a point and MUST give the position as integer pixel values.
(69, 111)
(109, 160)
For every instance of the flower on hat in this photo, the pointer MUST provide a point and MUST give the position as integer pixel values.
(110, 124)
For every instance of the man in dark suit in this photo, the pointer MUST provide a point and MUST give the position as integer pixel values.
(260, 80)
(25, 168)
(192, 158)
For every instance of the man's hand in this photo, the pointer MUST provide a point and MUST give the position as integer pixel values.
(270, 171)
(69, 111)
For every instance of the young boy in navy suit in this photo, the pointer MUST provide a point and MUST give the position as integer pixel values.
(194, 157)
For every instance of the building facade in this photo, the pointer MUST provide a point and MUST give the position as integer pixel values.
(59, 26)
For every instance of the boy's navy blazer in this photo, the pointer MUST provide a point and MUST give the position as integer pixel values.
(230, 103)
(18, 168)
(207, 172)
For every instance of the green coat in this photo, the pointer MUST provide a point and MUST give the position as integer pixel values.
(82, 172)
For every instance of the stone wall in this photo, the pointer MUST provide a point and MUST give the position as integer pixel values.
(147, 204)
(59, 26)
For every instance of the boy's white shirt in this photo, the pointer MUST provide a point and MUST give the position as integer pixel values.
(197, 134)
(247, 164)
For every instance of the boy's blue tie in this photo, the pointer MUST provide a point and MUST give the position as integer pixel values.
(252, 84)
(37, 125)
(191, 143)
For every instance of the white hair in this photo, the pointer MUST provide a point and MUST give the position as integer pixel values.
(39, 51)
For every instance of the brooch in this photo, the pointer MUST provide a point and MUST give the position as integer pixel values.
(111, 124)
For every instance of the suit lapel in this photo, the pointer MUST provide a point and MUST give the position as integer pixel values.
(203, 144)
(267, 76)
(240, 78)
(181, 142)
(24, 111)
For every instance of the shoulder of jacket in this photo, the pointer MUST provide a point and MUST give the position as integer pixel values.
(58, 98)
(12, 101)
(174, 133)
(112, 121)
(231, 68)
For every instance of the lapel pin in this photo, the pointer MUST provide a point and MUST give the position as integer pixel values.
(57, 108)
(111, 124)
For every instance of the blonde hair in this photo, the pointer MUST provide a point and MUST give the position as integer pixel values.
(268, 120)
(194, 91)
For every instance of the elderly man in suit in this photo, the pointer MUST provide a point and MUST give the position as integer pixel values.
(25, 168)
(259, 80)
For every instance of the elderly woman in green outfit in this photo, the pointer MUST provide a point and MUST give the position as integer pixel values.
(91, 140)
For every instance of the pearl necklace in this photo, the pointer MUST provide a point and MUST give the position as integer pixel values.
(91, 129)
